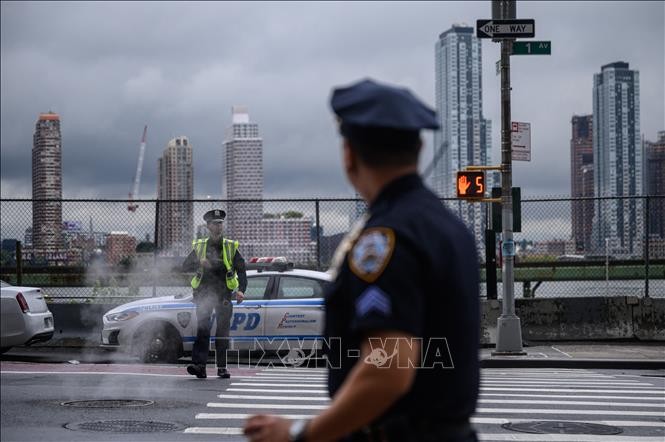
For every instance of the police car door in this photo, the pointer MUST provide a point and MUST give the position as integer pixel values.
(294, 318)
(248, 321)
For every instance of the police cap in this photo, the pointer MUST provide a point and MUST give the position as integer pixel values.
(369, 110)
(216, 215)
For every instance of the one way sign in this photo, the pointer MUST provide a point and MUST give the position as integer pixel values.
(524, 28)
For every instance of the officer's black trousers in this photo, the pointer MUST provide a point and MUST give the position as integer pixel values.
(205, 304)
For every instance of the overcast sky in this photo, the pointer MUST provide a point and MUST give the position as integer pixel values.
(110, 68)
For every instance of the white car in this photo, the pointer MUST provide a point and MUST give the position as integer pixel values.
(280, 306)
(25, 318)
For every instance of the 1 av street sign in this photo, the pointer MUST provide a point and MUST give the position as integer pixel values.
(532, 48)
(524, 28)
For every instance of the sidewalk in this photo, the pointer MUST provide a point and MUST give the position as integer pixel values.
(610, 355)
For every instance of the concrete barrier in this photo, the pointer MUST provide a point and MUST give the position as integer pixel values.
(581, 319)
(553, 319)
(78, 322)
(649, 319)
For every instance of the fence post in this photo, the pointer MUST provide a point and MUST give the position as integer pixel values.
(19, 263)
(646, 248)
(318, 237)
(155, 250)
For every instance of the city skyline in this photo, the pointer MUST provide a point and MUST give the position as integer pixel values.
(285, 74)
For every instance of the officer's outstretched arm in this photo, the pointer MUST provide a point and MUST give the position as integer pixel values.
(383, 374)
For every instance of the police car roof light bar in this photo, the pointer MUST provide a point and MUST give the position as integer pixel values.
(277, 263)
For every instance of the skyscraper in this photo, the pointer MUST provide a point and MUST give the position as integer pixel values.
(617, 156)
(47, 184)
(581, 180)
(655, 184)
(176, 182)
(465, 135)
(258, 234)
(243, 176)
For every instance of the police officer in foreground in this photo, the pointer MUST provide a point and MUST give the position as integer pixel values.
(402, 316)
(220, 273)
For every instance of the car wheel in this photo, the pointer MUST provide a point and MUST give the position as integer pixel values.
(158, 343)
(4, 350)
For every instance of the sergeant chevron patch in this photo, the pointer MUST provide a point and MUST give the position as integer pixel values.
(371, 253)
(373, 299)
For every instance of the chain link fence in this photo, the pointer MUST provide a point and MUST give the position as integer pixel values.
(116, 249)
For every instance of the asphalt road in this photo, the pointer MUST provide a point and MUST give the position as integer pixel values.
(36, 385)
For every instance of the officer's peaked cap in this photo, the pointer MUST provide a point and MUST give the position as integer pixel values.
(214, 215)
(369, 104)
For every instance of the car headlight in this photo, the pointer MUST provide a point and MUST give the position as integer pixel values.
(124, 316)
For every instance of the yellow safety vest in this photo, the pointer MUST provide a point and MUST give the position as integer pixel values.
(229, 249)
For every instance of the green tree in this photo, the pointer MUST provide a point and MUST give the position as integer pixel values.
(292, 214)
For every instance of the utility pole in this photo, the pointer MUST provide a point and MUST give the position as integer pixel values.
(509, 332)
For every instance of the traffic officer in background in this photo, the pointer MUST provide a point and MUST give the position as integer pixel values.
(220, 273)
(402, 315)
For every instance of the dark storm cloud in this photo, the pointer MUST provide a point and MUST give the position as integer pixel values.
(110, 68)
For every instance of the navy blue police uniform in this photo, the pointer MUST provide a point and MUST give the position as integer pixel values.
(212, 294)
(412, 267)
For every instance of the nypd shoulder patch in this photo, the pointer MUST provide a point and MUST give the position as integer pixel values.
(371, 253)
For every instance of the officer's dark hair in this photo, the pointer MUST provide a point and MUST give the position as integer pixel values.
(381, 146)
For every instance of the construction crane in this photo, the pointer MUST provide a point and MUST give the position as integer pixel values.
(131, 205)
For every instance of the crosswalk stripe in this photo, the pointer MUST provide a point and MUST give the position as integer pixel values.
(279, 379)
(494, 372)
(263, 384)
(560, 396)
(274, 398)
(236, 431)
(595, 403)
(226, 431)
(573, 390)
(300, 375)
(567, 411)
(232, 416)
(482, 401)
(501, 421)
(474, 420)
(565, 438)
(268, 390)
(564, 382)
(268, 406)
(479, 410)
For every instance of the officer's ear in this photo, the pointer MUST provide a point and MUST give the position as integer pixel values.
(350, 157)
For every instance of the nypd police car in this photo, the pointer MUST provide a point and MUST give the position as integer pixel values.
(281, 305)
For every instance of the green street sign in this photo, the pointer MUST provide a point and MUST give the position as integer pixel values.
(532, 48)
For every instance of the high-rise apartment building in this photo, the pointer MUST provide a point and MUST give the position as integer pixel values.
(655, 184)
(47, 184)
(176, 182)
(618, 163)
(465, 135)
(258, 234)
(581, 180)
(243, 176)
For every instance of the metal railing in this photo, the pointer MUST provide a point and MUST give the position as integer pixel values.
(566, 247)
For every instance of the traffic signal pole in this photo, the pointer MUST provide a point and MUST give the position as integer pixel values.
(509, 332)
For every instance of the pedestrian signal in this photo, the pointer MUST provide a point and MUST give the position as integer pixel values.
(471, 184)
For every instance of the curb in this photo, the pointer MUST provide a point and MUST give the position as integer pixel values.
(614, 364)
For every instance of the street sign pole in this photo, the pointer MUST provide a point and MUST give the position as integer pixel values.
(509, 332)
